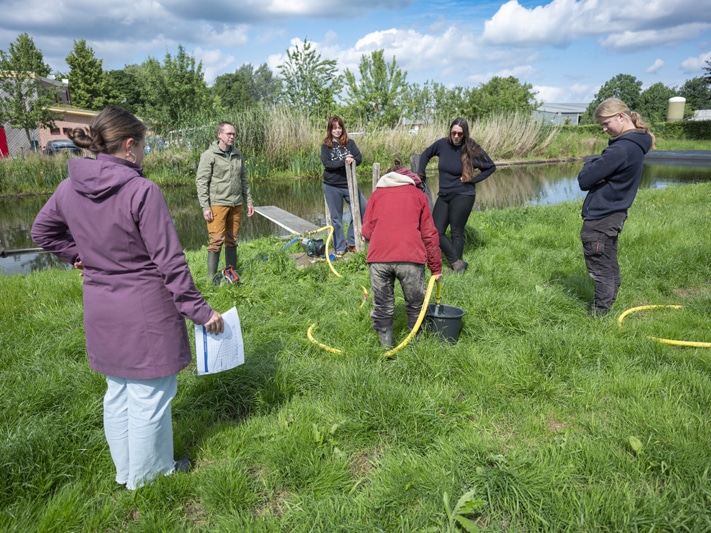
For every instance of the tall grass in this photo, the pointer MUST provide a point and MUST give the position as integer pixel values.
(540, 418)
(281, 142)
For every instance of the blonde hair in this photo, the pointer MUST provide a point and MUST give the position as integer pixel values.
(613, 106)
(108, 131)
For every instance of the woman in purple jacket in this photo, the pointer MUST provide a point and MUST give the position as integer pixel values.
(114, 224)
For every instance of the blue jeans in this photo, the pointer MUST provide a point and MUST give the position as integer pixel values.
(139, 427)
(334, 200)
(452, 210)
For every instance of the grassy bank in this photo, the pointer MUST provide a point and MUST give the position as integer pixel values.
(542, 418)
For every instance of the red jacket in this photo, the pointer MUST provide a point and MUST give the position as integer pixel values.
(399, 225)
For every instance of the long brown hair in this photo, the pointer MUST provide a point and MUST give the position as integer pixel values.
(108, 130)
(471, 151)
(328, 141)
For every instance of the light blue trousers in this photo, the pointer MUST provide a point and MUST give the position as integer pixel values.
(139, 427)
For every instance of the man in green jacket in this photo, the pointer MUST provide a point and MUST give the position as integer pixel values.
(222, 189)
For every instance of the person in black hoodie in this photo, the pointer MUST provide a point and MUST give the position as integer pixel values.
(612, 180)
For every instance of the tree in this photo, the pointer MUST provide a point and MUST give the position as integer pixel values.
(90, 86)
(697, 92)
(126, 85)
(24, 101)
(245, 87)
(378, 94)
(500, 95)
(623, 86)
(653, 103)
(309, 83)
(707, 69)
(172, 92)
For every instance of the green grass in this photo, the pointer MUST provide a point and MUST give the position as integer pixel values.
(540, 418)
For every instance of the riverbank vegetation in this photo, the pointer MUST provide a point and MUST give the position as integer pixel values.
(282, 143)
(540, 418)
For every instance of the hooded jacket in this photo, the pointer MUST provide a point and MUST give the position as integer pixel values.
(137, 284)
(398, 223)
(612, 179)
(221, 180)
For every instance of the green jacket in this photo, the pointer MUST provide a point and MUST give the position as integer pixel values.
(222, 180)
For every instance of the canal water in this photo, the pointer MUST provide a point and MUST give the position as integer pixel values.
(509, 186)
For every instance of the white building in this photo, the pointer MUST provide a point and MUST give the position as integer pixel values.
(560, 114)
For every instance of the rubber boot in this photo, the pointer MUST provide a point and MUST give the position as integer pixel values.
(459, 266)
(386, 337)
(213, 259)
(231, 257)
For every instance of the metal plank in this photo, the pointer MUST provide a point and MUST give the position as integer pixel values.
(286, 220)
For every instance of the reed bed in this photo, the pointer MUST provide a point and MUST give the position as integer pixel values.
(279, 142)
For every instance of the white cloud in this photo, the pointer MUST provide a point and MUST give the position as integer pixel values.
(654, 67)
(696, 64)
(214, 63)
(575, 93)
(631, 40)
(625, 23)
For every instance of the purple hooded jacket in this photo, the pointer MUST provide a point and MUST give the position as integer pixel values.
(137, 285)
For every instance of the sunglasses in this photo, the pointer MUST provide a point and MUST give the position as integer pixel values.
(457, 133)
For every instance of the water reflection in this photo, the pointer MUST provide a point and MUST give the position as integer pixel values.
(509, 186)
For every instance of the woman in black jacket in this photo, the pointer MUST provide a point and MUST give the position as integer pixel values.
(462, 164)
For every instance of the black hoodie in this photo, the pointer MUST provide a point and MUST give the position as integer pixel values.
(612, 179)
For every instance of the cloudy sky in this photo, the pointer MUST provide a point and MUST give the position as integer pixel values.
(566, 49)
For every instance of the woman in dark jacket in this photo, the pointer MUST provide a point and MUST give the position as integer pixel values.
(612, 180)
(337, 151)
(114, 224)
(462, 164)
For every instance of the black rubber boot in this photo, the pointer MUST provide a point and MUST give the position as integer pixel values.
(213, 259)
(459, 266)
(231, 257)
(386, 337)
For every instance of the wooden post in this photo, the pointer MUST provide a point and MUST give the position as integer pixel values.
(414, 164)
(355, 206)
(376, 175)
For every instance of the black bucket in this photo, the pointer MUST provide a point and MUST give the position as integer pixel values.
(445, 320)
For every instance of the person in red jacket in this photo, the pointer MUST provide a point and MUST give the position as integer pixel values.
(402, 239)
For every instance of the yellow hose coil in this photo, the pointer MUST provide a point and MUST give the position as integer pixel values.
(328, 241)
(420, 318)
(673, 342)
(309, 334)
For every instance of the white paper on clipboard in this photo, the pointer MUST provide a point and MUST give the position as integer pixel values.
(217, 353)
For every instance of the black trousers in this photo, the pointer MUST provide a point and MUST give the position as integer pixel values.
(452, 210)
(599, 238)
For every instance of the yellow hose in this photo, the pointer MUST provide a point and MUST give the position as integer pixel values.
(673, 342)
(365, 295)
(420, 318)
(311, 338)
(328, 241)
